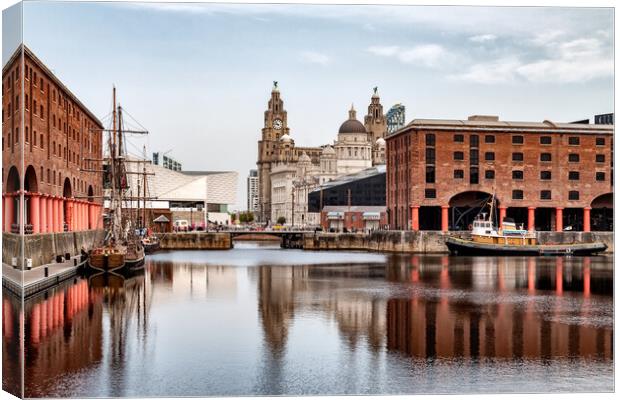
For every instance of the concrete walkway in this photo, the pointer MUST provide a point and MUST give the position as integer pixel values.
(28, 282)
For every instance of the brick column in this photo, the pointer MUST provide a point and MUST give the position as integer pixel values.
(444, 218)
(502, 215)
(531, 221)
(558, 219)
(415, 218)
(3, 209)
(586, 219)
(8, 211)
(35, 212)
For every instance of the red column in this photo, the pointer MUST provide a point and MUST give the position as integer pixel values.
(558, 219)
(58, 215)
(586, 277)
(559, 264)
(50, 214)
(43, 214)
(415, 218)
(69, 206)
(35, 212)
(3, 210)
(502, 215)
(8, 211)
(586, 219)
(444, 218)
(531, 222)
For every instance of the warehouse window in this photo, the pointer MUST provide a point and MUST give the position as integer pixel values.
(545, 156)
(573, 158)
(459, 174)
(573, 195)
(573, 140)
(545, 175)
(600, 141)
(459, 138)
(489, 174)
(430, 193)
(430, 139)
(517, 194)
(600, 176)
(573, 175)
(489, 139)
(545, 194)
(473, 175)
(517, 174)
(430, 155)
(517, 156)
(459, 156)
(517, 140)
(545, 140)
(430, 174)
(600, 158)
(489, 156)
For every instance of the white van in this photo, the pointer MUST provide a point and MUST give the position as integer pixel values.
(181, 225)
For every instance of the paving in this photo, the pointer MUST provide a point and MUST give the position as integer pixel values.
(28, 282)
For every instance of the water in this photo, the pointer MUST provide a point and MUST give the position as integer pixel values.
(261, 320)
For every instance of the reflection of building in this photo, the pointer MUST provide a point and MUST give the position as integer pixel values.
(190, 195)
(252, 191)
(545, 175)
(287, 171)
(60, 140)
(395, 118)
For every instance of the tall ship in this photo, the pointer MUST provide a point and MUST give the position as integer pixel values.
(122, 245)
(511, 239)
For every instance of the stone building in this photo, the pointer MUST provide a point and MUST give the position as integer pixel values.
(51, 152)
(287, 173)
(545, 175)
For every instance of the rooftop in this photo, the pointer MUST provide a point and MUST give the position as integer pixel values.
(344, 179)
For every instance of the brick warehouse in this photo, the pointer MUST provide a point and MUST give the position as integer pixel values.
(57, 135)
(547, 176)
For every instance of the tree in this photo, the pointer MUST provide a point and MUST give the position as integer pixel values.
(281, 220)
(250, 216)
(243, 218)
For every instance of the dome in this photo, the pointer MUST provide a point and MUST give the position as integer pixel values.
(380, 142)
(285, 138)
(328, 151)
(352, 126)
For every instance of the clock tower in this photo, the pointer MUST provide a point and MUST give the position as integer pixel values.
(274, 127)
(375, 121)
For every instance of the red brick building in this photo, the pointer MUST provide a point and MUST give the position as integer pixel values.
(547, 176)
(353, 218)
(48, 137)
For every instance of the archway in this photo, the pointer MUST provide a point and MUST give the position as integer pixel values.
(602, 214)
(465, 206)
(11, 203)
(90, 194)
(30, 180)
(67, 192)
(12, 182)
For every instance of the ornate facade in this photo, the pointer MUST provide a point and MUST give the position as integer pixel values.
(287, 173)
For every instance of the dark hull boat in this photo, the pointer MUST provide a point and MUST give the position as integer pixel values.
(151, 244)
(464, 247)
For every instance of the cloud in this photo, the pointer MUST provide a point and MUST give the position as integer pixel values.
(576, 60)
(483, 38)
(314, 57)
(493, 72)
(428, 55)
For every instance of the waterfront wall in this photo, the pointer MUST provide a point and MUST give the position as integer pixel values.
(195, 241)
(44, 247)
(427, 241)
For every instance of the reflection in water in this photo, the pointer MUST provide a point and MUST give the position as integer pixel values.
(192, 325)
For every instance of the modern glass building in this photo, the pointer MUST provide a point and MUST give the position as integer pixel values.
(364, 188)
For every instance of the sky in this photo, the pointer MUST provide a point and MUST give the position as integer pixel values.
(198, 76)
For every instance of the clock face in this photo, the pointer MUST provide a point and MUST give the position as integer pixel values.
(277, 124)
